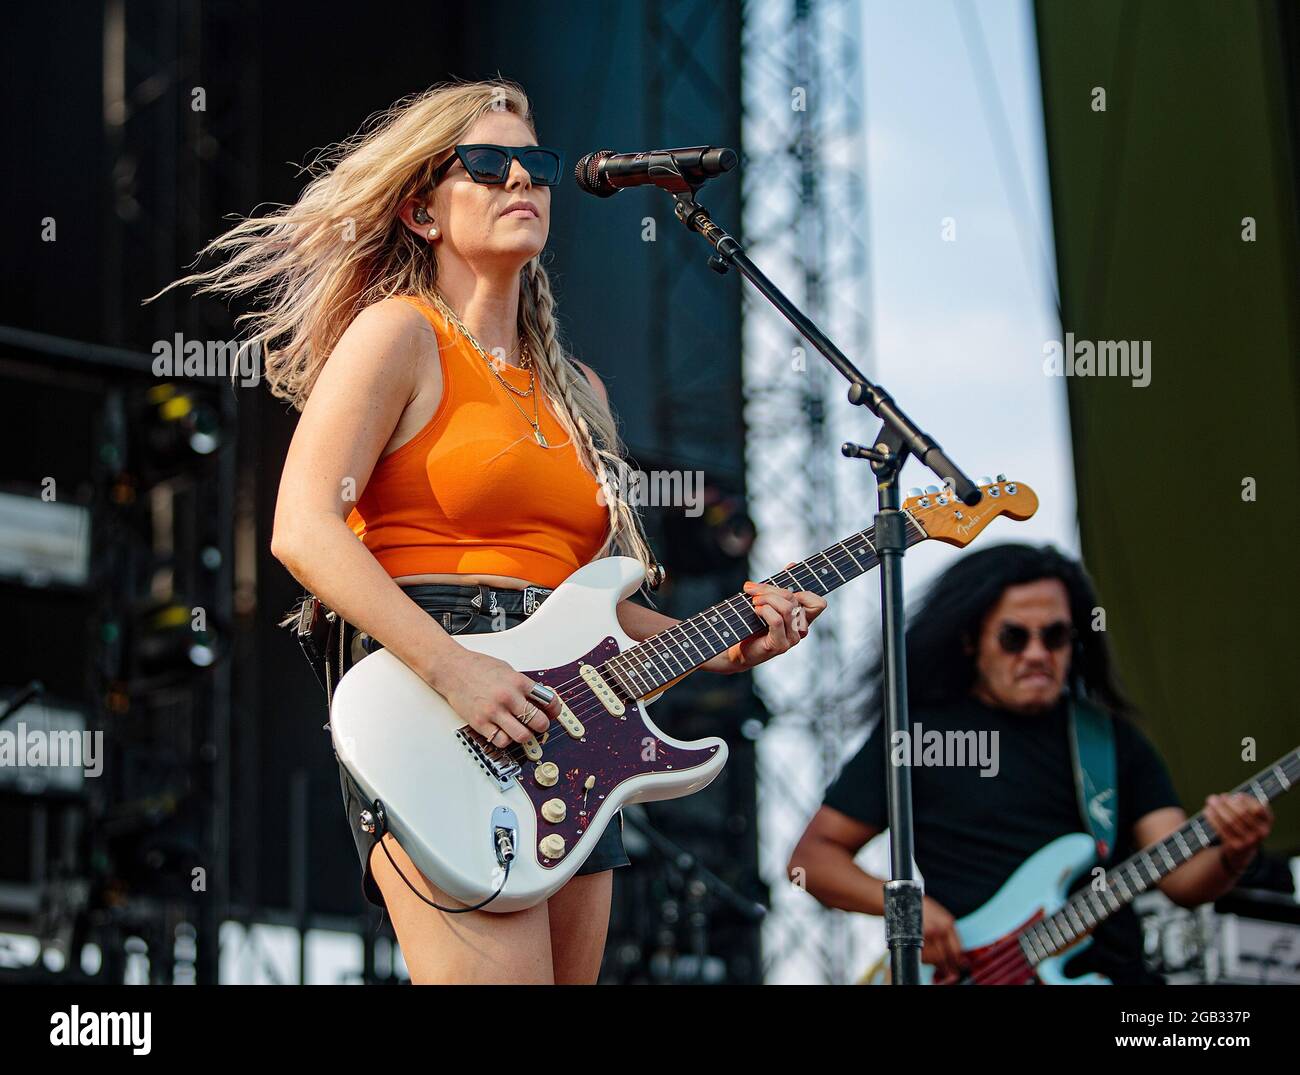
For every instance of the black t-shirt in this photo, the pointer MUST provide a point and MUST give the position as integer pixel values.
(972, 832)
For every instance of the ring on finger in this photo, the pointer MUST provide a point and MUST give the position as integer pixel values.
(541, 694)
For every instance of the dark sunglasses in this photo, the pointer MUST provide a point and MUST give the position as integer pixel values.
(1014, 639)
(491, 164)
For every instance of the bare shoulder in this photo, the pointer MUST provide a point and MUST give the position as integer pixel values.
(382, 346)
(360, 399)
(392, 326)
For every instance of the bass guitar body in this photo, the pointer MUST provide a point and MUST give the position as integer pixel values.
(989, 934)
(1033, 925)
(1037, 889)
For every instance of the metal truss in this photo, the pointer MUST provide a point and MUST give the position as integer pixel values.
(805, 225)
(180, 106)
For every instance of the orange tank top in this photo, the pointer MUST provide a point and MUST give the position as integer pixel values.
(473, 492)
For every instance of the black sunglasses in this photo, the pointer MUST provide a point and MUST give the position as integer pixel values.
(1014, 639)
(491, 164)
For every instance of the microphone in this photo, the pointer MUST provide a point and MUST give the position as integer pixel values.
(604, 173)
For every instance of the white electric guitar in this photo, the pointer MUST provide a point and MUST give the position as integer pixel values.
(511, 825)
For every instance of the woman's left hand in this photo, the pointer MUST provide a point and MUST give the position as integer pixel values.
(787, 614)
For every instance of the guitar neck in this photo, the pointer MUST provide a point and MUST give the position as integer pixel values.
(1097, 901)
(671, 654)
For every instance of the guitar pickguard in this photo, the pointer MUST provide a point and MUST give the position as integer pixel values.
(612, 750)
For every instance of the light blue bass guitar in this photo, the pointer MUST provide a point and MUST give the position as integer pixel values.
(1026, 933)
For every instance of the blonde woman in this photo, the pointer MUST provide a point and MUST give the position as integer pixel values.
(451, 462)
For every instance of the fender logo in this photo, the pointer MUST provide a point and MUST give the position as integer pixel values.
(966, 527)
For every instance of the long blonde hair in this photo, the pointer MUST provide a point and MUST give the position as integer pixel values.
(314, 265)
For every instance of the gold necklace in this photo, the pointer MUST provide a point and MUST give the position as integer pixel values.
(526, 358)
(535, 420)
(494, 366)
(527, 364)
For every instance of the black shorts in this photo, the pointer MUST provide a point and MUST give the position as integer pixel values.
(454, 608)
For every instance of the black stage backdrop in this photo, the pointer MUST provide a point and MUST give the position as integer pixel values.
(135, 189)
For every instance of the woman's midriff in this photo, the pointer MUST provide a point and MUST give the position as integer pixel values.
(502, 581)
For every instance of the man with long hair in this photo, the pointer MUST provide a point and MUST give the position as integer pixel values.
(1001, 647)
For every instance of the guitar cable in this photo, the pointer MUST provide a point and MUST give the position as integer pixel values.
(505, 845)
(505, 854)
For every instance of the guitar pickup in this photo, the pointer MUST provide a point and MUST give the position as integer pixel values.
(532, 748)
(602, 690)
(569, 722)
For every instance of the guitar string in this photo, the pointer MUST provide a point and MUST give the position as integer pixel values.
(592, 707)
(1039, 930)
(1266, 779)
(1006, 959)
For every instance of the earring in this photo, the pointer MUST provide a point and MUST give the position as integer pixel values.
(433, 233)
(421, 215)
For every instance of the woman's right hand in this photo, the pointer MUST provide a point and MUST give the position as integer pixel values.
(490, 697)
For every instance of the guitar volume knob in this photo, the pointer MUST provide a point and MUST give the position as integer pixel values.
(547, 774)
(551, 847)
(553, 810)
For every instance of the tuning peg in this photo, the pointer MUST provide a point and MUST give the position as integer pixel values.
(931, 490)
(913, 492)
(1002, 477)
(985, 480)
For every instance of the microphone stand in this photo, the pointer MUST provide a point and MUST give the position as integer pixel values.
(898, 437)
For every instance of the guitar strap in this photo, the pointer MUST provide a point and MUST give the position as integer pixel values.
(325, 638)
(1092, 751)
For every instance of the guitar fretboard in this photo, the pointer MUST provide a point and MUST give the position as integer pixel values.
(1094, 903)
(670, 654)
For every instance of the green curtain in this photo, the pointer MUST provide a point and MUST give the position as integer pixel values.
(1200, 585)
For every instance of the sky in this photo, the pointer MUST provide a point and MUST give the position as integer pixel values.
(959, 326)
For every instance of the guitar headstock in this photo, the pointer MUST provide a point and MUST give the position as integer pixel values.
(945, 518)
